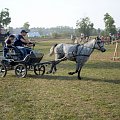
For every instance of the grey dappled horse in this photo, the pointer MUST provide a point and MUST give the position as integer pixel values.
(78, 53)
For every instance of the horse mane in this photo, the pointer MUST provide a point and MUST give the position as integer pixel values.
(87, 43)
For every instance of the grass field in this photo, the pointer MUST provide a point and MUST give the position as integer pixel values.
(63, 97)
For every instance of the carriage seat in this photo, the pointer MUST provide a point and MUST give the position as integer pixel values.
(32, 58)
(12, 52)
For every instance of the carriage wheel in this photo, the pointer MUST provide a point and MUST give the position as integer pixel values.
(39, 69)
(3, 70)
(21, 70)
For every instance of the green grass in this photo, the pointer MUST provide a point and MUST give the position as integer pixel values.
(63, 97)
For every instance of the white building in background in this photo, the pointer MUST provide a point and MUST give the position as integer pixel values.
(33, 34)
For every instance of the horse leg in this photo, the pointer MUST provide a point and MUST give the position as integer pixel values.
(79, 77)
(77, 69)
(54, 63)
(53, 66)
(51, 69)
(57, 62)
(54, 69)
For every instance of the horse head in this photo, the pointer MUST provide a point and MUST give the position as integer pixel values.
(99, 45)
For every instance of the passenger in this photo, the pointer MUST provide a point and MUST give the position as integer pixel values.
(8, 44)
(20, 42)
(9, 41)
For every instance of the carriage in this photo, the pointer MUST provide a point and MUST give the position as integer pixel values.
(12, 61)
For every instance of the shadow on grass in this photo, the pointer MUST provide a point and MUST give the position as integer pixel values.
(101, 80)
(72, 78)
(103, 65)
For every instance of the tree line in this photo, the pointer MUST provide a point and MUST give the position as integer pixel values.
(84, 25)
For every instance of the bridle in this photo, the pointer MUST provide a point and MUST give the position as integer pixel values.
(98, 43)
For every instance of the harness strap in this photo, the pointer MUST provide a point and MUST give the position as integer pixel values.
(77, 48)
(80, 50)
(83, 55)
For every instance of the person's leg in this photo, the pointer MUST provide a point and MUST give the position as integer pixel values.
(28, 50)
(23, 51)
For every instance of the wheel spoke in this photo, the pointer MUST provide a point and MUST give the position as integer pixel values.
(39, 69)
(21, 70)
(3, 70)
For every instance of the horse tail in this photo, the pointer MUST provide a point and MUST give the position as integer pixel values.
(52, 50)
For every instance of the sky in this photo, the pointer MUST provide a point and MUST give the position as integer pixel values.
(52, 13)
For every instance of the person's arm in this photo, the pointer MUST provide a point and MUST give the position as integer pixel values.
(27, 42)
(24, 40)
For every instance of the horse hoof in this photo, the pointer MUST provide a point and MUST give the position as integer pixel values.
(79, 78)
(70, 73)
(53, 72)
(48, 72)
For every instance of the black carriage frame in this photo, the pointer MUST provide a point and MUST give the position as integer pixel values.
(30, 62)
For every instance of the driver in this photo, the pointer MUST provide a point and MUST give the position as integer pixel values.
(20, 42)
